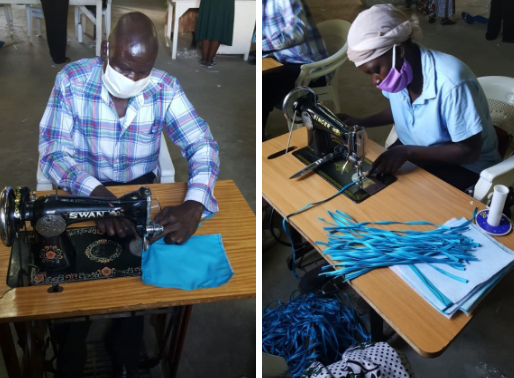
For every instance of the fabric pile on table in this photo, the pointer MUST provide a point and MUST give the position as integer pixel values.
(494, 262)
(452, 266)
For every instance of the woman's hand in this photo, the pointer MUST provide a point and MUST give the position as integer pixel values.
(391, 160)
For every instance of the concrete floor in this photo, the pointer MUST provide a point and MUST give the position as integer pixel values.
(224, 96)
(489, 338)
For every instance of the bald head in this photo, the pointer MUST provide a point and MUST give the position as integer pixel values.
(136, 33)
(133, 46)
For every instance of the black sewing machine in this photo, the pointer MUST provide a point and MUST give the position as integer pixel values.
(52, 253)
(334, 148)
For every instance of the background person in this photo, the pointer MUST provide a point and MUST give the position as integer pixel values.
(215, 26)
(56, 23)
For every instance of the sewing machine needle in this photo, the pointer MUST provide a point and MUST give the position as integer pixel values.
(313, 166)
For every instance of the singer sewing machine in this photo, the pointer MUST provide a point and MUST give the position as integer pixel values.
(48, 252)
(334, 148)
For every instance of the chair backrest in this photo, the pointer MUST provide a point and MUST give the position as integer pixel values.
(499, 91)
(335, 34)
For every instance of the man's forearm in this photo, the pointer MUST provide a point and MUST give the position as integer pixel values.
(101, 191)
(290, 36)
(279, 44)
(63, 171)
(204, 168)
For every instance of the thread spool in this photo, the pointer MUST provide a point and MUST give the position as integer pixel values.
(492, 220)
(496, 209)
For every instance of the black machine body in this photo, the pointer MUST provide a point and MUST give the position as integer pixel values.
(327, 134)
(50, 215)
(324, 128)
(332, 141)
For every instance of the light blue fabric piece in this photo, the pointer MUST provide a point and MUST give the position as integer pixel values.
(452, 108)
(199, 263)
(494, 262)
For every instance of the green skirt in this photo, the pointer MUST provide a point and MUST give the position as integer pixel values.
(216, 21)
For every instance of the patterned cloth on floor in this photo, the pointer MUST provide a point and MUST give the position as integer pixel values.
(366, 360)
(439, 8)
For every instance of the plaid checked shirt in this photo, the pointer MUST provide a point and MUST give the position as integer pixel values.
(82, 141)
(290, 33)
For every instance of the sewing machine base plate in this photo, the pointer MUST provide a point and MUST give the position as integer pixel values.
(331, 172)
(97, 257)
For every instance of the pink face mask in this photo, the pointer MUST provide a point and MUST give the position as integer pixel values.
(396, 81)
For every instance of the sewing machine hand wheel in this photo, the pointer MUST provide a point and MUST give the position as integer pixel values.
(7, 226)
(289, 100)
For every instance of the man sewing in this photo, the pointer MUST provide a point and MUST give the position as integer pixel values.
(439, 110)
(290, 35)
(102, 126)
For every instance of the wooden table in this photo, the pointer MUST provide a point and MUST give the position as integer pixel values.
(270, 64)
(82, 4)
(235, 222)
(417, 195)
(244, 24)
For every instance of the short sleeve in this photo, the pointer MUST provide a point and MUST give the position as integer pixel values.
(386, 94)
(463, 111)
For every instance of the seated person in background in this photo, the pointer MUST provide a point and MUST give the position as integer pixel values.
(289, 35)
(439, 110)
(102, 126)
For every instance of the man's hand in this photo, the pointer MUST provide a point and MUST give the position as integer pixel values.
(391, 160)
(179, 222)
(112, 226)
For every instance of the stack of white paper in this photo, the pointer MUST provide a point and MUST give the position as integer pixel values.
(494, 261)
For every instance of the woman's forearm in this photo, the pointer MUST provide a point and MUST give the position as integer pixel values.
(465, 152)
(385, 117)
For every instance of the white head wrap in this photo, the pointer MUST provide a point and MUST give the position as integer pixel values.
(376, 30)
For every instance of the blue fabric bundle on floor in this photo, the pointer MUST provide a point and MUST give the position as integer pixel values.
(309, 328)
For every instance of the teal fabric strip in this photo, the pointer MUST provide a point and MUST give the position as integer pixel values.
(443, 298)
(308, 206)
(358, 248)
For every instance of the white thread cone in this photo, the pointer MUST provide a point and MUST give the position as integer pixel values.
(496, 208)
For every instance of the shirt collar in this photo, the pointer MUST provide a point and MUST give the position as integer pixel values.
(429, 76)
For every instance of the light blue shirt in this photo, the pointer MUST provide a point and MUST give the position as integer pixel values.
(451, 108)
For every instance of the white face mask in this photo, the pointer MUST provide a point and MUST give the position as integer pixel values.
(120, 86)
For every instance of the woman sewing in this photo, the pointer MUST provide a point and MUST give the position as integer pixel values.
(439, 110)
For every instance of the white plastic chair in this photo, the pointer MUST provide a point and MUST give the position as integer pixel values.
(312, 71)
(500, 96)
(499, 92)
(34, 11)
(81, 12)
(165, 169)
(8, 17)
